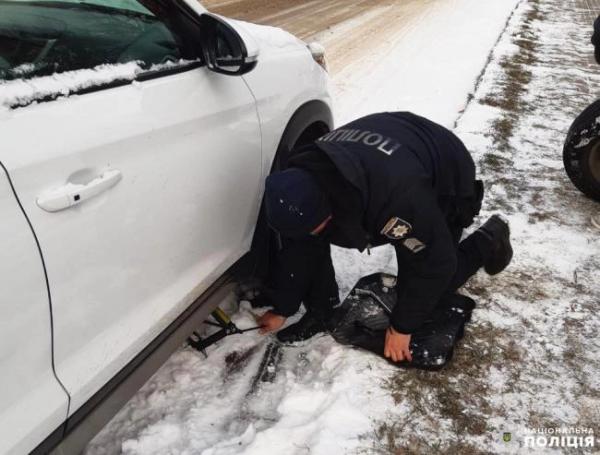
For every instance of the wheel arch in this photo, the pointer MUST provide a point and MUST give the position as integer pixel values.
(310, 121)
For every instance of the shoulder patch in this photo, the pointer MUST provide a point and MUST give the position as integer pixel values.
(396, 228)
(414, 245)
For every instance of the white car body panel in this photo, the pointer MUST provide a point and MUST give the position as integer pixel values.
(125, 264)
(191, 151)
(32, 403)
(285, 78)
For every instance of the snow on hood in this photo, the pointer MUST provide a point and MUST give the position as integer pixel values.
(21, 92)
(270, 38)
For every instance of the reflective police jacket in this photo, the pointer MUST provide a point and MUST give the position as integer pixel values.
(385, 175)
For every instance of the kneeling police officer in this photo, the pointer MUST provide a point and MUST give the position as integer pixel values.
(386, 178)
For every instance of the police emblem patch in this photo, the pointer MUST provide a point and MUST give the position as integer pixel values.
(396, 228)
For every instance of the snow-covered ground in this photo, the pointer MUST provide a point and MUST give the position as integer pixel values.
(531, 356)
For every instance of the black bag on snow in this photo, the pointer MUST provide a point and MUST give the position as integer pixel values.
(364, 316)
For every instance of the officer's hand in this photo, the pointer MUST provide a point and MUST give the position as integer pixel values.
(270, 322)
(397, 346)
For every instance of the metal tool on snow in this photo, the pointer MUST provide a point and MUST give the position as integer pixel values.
(374, 296)
(228, 327)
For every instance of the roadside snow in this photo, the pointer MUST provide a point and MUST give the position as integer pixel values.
(206, 406)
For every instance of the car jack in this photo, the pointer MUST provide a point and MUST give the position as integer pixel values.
(227, 328)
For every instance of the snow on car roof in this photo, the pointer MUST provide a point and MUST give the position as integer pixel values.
(22, 92)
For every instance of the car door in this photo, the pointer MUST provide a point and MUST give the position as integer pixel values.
(142, 184)
(32, 402)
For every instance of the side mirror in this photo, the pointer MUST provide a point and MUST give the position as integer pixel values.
(223, 48)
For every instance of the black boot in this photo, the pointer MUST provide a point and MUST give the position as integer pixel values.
(496, 231)
(307, 327)
(458, 305)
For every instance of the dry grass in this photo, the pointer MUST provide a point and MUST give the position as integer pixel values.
(509, 95)
(413, 445)
(444, 399)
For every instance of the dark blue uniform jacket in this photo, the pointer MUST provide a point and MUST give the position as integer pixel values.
(391, 178)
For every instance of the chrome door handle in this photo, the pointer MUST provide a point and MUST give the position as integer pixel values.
(72, 194)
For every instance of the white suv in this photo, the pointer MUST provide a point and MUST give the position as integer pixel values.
(136, 136)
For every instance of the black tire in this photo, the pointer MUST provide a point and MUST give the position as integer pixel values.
(581, 153)
(310, 122)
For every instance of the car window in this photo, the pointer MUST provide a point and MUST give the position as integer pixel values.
(45, 37)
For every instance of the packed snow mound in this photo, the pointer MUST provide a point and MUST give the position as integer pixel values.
(222, 405)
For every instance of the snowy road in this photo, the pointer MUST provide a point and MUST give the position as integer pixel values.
(530, 358)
